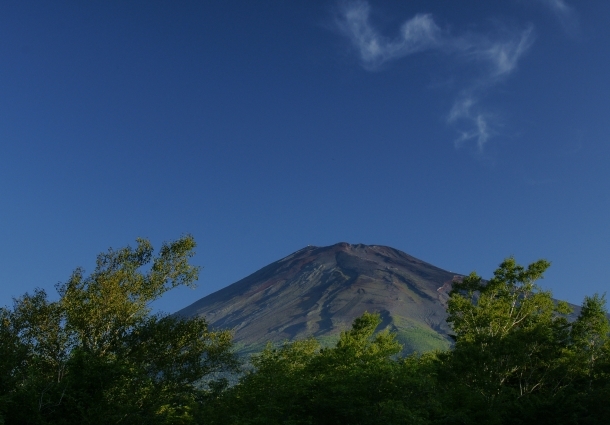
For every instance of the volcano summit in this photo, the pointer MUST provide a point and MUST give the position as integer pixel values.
(318, 291)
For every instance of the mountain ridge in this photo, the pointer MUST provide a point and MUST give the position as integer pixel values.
(318, 291)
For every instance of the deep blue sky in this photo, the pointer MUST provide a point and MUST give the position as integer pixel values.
(460, 133)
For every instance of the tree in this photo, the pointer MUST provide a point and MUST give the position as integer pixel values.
(590, 337)
(358, 381)
(512, 326)
(98, 355)
(517, 358)
(587, 360)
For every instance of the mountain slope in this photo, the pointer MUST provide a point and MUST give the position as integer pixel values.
(318, 291)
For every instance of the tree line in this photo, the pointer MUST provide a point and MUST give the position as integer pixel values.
(98, 356)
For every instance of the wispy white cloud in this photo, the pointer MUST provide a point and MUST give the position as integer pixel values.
(496, 58)
(565, 14)
(418, 34)
(502, 55)
(500, 59)
(480, 132)
(479, 129)
(559, 7)
(461, 108)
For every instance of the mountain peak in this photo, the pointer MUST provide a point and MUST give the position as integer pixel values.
(319, 291)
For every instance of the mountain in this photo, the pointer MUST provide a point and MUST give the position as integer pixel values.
(318, 291)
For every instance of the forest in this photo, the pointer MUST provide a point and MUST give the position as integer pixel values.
(97, 355)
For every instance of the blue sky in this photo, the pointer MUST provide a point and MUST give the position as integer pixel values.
(460, 133)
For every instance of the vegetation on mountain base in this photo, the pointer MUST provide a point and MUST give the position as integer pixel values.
(97, 355)
(516, 360)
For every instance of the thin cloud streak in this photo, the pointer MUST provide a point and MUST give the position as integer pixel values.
(558, 6)
(499, 58)
(503, 56)
(479, 123)
(565, 14)
(418, 34)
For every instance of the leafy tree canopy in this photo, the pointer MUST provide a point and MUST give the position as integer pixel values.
(516, 359)
(98, 355)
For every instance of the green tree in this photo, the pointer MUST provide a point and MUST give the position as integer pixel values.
(358, 381)
(98, 355)
(517, 357)
(590, 337)
(587, 360)
(510, 325)
(355, 379)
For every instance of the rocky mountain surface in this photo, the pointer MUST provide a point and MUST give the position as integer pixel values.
(318, 291)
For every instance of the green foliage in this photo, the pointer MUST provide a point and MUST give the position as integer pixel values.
(358, 381)
(516, 357)
(516, 360)
(418, 337)
(510, 329)
(97, 355)
(590, 335)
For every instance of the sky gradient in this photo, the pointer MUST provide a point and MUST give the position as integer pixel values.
(458, 133)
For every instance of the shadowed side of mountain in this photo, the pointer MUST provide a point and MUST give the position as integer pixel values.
(319, 291)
